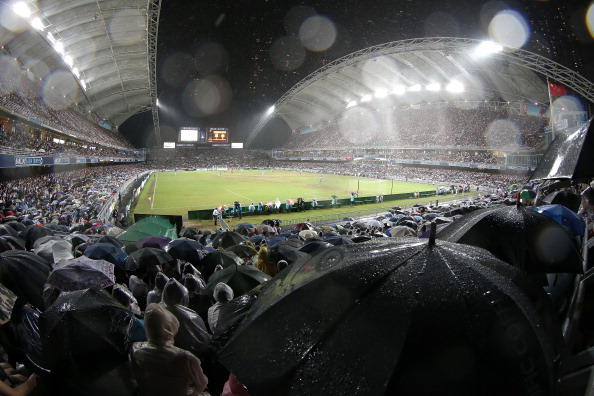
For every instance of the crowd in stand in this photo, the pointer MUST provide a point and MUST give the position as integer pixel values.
(211, 158)
(448, 127)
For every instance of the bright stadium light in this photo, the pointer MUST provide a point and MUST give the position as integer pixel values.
(455, 87)
(399, 90)
(488, 48)
(381, 93)
(366, 98)
(69, 61)
(76, 72)
(59, 47)
(37, 24)
(415, 88)
(270, 110)
(352, 103)
(21, 9)
(434, 87)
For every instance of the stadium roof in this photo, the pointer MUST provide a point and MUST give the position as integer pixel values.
(419, 71)
(98, 53)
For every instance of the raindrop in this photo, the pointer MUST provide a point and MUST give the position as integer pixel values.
(317, 33)
(120, 24)
(509, 28)
(287, 53)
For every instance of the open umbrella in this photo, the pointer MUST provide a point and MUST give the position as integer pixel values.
(564, 216)
(569, 156)
(153, 241)
(520, 236)
(241, 278)
(33, 233)
(111, 239)
(15, 243)
(106, 251)
(147, 257)
(375, 223)
(7, 302)
(7, 230)
(265, 228)
(185, 249)
(338, 240)
(242, 250)
(54, 250)
(565, 198)
(227, 238)
(85, 332)
(24, 273)
(82, 273)
(224, 258)
(390, 318)
(303, 226)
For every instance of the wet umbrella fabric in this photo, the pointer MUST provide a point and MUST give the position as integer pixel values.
(520, 236)
(82, 273)
(565, 198)
(33, 233)
(24, 273)
(223, 258)
(396, 318)
(85, 332)
(241, 278)
(564, 216)
(147, 257)
(54, 250)
(7, 301)
(243, 251)
(110, 239)
(226, 239)
(106, 251)
(185, 249)
(15, 243)
(7, 230)
(153, 242)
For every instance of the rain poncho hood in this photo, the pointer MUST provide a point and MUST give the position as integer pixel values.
(222, 293)
(175, 293)
(160, 324)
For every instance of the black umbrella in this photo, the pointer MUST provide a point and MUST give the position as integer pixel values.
(153, 241)
(33, 233)
(391, 318)
(284, 251)
(16, 225)
(185, 249)
(189, 232)
(5, 229)
(85, 332)
(147, 257)
(111, 239)
(565, 198)
(242, 250)
(106, 251)
(520, 236)
(223, 258)
(82, 273)
(15, 243)
(241, 278)
(314, 247)
(569, 156)
(24, 273)
(227, 239)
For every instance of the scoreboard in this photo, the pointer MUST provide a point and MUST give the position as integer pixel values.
(217, 135)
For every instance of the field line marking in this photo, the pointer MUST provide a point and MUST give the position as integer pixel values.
(153, 192)
(239, 195)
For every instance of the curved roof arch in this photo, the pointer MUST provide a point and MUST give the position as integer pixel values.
(112, 44)
(380, 75)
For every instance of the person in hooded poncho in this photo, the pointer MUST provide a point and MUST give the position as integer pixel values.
(161, 368)
(192, 335)
(222, 294)
(155, 295)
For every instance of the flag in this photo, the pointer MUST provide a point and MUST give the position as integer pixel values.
(556, 90)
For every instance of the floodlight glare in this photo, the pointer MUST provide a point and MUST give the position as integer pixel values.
(415, 88)
(59, 47)
(37, 24)
(366, 98)
(76, 72)
(352, 103)
(270, 110)
(381, 93)
(69, 61)
(455, 86)
(488, 48)
(21, 9)
(433, 87)
(399, 90)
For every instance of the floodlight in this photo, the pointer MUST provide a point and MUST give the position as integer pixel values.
(270, 110)
(21, 9)
(488, 48)
(381, 93)
(433, 87)
(37, 24)
(415, 88)
(455, 86)
(366, 98)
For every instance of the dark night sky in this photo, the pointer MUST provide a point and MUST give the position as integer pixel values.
(205, 50)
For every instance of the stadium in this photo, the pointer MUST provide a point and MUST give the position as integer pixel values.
(433, 194)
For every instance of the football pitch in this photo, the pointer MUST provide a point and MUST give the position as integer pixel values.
(175, 193)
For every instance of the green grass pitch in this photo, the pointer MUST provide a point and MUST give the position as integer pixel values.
(175, 193)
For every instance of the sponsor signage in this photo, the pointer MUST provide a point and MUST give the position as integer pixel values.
(81, 160)
(28, 161)
(61, 160)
